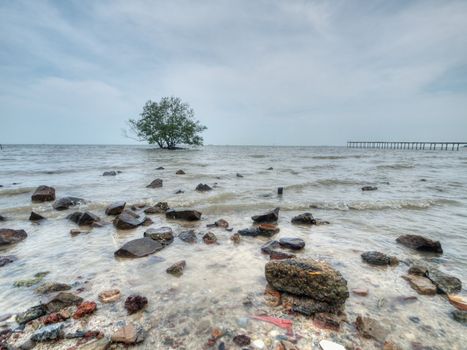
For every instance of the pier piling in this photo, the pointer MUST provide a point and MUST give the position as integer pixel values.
(453, 146)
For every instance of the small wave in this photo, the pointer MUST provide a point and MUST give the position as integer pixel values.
(15, 191)
(325, 183)
(381, 205)
(396, 166)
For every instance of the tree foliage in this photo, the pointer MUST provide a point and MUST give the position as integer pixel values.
(168, 123)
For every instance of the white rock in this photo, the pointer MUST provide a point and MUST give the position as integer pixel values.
(329, 345)
(258, 344)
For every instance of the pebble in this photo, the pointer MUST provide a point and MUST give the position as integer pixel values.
(258, 344)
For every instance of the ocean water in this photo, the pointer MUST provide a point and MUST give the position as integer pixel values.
(419, 192)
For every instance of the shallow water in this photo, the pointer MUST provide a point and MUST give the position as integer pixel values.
(324, 180)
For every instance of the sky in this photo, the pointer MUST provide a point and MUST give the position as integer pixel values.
(255, 72)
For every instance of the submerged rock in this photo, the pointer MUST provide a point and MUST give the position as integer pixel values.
(235, 238)
(62, 300)
(268, 229)
(83, 219)
(209, 238)
(278, 255)
(159, 208)
(31, 314)
(163, 235)
(43, 194)
(188, 236)
(445, 283)
(2, 218)
(128, 220)
(157, 183)
(138, 248)
(219, 223)
(128, 335)
(110, 173)
(32, 281)
(304, 219)
(459, 316)
(271, 216)
(421, 284)
(292, 243)
(269, 246)
(370, 328)
(115, 208)
(308, 306)
(203, 188)
(135, 303)
(48, 333)
(109, 296)
(177, 268)
(420, 243)
(9, 236)
(265, 230)
(160, 168)
(35, 217)
(7, 259)
(51, 287)
(307, 277)
(183, 214)
(180, 172)
(378, 258)
(369, 188)
(67, 202)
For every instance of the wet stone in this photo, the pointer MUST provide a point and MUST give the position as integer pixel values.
(271, 216)
(2, 218)
(9, 236)
(242, 340)
(268, 229)
(32, 281)
(236, 238)
(203, 188)
(109, 173)
(269, 246)
(83, 219)
(371, 328)
(138, 248)
(459, 316)
(292, 243)
(48, 333)
(308, 306)
(180, 172)
(86, 308)
(188, 236)
(209, 238)
(62, 300)
(129, 335)
(135, 303)
(183, 214)
(35, 217)
(278, 255)
(158, 208)
(43, 194)
(157, 183)
(51, 287)
(421, 284)
(379, 259)
(7, 259)
(304, 219)
(177, 268)
(67, 202)
(369, 188)
(109, 296)
(445, 283)
(31, 314)
(420, 243)
(128, 220)
(115, 208)
(163, 235)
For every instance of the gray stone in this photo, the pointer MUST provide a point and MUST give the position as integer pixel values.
(83, 219)
(420, 243)
(292, 243)
(138, 248)
(183, 214)
(128, 220)
(62, 300)
(157, 183)
(35, 217)
(115, 208)
(445, 283)
(163, 235)
(370, 328)
(177, 268)
(304, 219)
(7, 259)
(188, 236)
(51, 287)
(203, 188)
(31, 314)
(378, 258)
(47, 333)
(67, 202)
(271, 216)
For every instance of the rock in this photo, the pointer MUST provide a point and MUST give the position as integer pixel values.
(109, 173)
(157, 183)
(75, 231)
(62, 300)
(115, 208)
(163, 235)
(304, 219)
(292, 243)
(329, 345)
(159, 208)
(219, 223)
(7, 259)
(420, 243)
(242, 340)
(271, 216)
(268, 229)
(138, 248)
(27, 345)
(51, 287)
(379, 259)
(183, 214)
(2, 218)
(160, 168)
(180, 172)
(307, 277)
(135, 303)
(235, 238)
(47, 333)
(179, 192)
(177, 268)
(287, 345)
(83, 219)
(389, 345)
(43, 194)
(445, 283)
(128, 335)
(35, 217)
(203, 188)
(55, 317)
(188, 236)
(86, 308)
(459, 316)
(239, 175)
(324, 320)
(419, 270)
(265, 230)
(269, 246)
(31, 314)
(30, 282)
(363, 292)
(9, 236)
(67, 202)
(370, 328)
(109, 296)
(128, 220)
(369, 188)
(209, 238)
(421, 284)
(270, 168)
(308, 306)
(278, 255)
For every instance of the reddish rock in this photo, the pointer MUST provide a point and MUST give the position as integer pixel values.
(54, 317)
(86, 308)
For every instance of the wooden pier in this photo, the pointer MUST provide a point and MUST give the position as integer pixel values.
(453, 146)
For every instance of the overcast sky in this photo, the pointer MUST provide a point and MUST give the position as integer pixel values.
(255, 72)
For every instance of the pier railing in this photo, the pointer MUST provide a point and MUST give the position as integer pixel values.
(407, 145)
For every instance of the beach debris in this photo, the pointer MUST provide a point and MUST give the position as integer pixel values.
(292, 243)
(32, 281)
(270, 216)
(135, 303)
(163, 235)
(129, 335)
(188, 236)
(9, 236)
(180, 172)
(31, 314)
(62, 300)
(183, 214)
(48, 333)
(109, 296)
(177, 268)
(43, 194)
(370, 328)
(51, 287)
(35, 217)
(329, 345)
(304, 219)
(421, 284)
(7, 259)
(203, 188)
(128, 220)
(369, 188)
(458, 302)
(67, 202)
(138, 248)
(83, 219)
(86, 308)
(157, 183)
(279, 322)
(209, 238)
(242, 340)
(378, 258)
(115, 208)
(420, 243)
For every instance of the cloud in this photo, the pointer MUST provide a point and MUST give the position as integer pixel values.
(263, 72)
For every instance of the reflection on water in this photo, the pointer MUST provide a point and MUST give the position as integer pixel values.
(419, 192)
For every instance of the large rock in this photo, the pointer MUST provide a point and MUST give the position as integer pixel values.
(445, 283)
(9, 236)
(138, 248)
(307, 277)
(304, 219)
(155, 184)
(115, 208)
(203, 188)
(83, 219)
(271, 216)
(378, 258)
(292, 243)
(7, 259)
(43, 194)
(67, 202)
(128, 220)
(421, 284)
(31, 314)
(183, 214)
(163, 235)
(420, 243)
(308, 306)
(62, 300)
